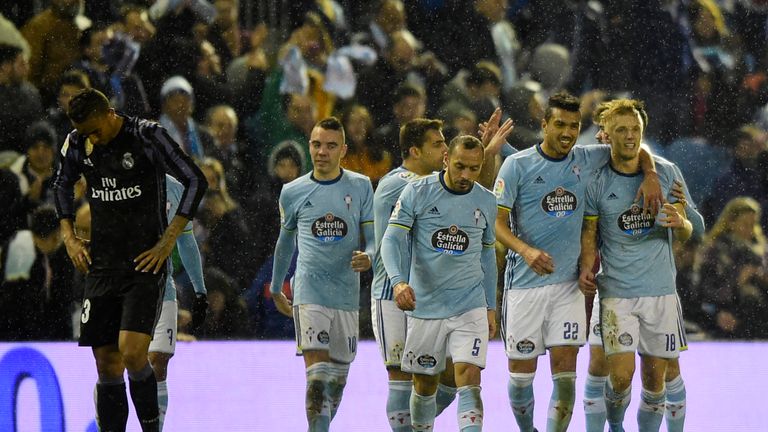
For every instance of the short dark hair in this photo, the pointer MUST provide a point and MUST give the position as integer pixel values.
(332, 123)
(289, 152)
(484, 72)
(413, 132)
(408, 90)
(40, 131)
(87, 103)
(8, 53)
(74, 78)
(564, 101)
(43, 221)
(468, 142)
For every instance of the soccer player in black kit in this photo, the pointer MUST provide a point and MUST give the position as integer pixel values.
(124, 160)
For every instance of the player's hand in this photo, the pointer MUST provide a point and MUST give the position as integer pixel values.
(199, 311)
(405, 297)
(672, 218)
(539, 261)
(494, 136)
(77, 249)
(360, 261)
(282, 304)
(491, 324)
(650, 190)
(587, 283)
(153, 259)
(677, 192)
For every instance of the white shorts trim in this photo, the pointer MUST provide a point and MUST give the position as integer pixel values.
(164, 339)
(389, 329)
(326, 329)
(538, 318)
(464, 338)
(648, 325)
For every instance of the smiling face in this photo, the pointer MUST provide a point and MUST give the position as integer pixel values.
(560, 132)
(625, 132)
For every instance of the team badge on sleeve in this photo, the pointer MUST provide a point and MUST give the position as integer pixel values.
(395, 211)
(498, 188)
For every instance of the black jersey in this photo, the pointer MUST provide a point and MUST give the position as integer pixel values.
(126, 190)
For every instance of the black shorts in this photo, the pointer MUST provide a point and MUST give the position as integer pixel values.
(119, 302)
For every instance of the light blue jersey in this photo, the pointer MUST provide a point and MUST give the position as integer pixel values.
(545, 198)
(384, 199)
(186, 244)
(636, 253)
(327, 216)
(449, 233)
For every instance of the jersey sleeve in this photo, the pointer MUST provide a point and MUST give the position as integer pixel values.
(173, 192)
(505, 187)
(67, 174)
(366, 210)
(489, 234)
(404, 212)
(691, 210)
(180, 166)
(288, 218)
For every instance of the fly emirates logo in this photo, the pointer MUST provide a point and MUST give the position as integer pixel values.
(110, 192)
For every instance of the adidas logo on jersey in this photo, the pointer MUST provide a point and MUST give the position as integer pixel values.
(87, 161)
(538, 180)
(308, 204)
(434, 211)
(612, 196)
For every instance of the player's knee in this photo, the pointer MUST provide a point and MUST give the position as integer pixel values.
(395, 374)
(425, 385)
(135, 359)
(621, 379)
(673, 370)
(159, 363)
(563, 359)
(598, 365)
(466, 374)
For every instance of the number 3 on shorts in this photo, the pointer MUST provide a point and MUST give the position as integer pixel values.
(86, 311)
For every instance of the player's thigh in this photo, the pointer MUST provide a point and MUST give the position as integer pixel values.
(659, 326)
(522, 321)
(142, 302)
(468, 337)
(425, 346)
(389, 329)
(345, 332)
(620, 325)
(313, 327)
(566, 322)
(101, 312)
(164, 337)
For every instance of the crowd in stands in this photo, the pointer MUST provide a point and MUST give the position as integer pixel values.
(242, 101)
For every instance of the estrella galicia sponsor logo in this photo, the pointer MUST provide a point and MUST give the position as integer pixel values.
(128, 161)
(635, 221)
(426, 361)
(450, 241)
(323, 337)
(329, 228)
(525, 346)
(559, 203)
(596, 330)
(625, 339)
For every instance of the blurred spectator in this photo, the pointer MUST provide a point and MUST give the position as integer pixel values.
(36, 167)
(225, 34)
(135, 24)
(550, 66)
(10, 35)
(178, 106)
(387, 19)
(409, 102)
(747, 175)
(246, 75)
(53, 42)
(70, 84)
(14, 216)
(92, 41)
(20, 103)
(362, 155)
(524, 104)
(733, 281)
(36, 287)
(478, 89)
(261, 207)
(226, 318)
(209, 82)
(266, 321)
(221, 122)
(228, 243)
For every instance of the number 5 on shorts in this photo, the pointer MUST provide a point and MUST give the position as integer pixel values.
(476, 347)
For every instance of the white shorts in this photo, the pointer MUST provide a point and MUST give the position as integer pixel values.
(463, 337)
(648, 325)
(595, 335)
(326, 329)
(164, 339)
(596, 338)
(389, 327)
(543, 317)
